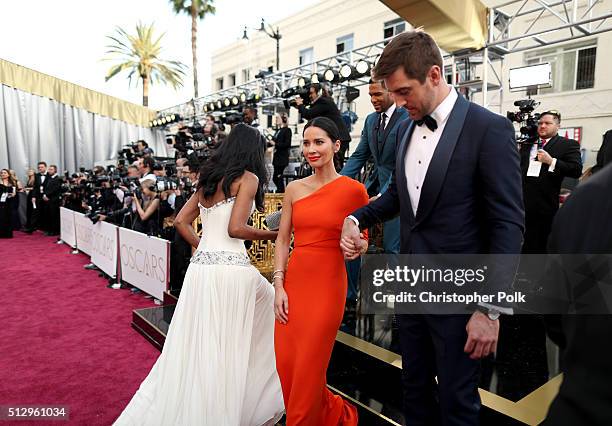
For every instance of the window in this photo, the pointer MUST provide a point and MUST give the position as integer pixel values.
(232, 80)
(572, 67)
(307, 56)
(393, 28)
(344, 43)
(220, 83)
(246, 75)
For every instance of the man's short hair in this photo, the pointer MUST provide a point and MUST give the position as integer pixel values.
(556, 114)
(54, 166)
(148, 162)
(43, 163)
(415, 51)
(146, 145)
(133, 167)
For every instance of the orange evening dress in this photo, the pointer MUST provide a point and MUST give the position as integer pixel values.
(315, 282)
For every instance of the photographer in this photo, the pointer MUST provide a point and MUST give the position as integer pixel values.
(145, 166)
(51, 199)
(146, 209)
(322, 105)
(143, 148)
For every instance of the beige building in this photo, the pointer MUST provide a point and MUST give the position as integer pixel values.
(581, 90)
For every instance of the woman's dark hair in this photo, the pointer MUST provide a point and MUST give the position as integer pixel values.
(330, 128)
(242, 150)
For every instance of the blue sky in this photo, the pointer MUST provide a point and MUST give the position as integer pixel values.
(67, 38)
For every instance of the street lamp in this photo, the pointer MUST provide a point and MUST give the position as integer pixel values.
(275, 35)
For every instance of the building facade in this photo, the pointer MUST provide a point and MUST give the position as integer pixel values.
(581, 90)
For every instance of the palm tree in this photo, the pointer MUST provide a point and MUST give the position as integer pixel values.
(140, 55)
(197, 9)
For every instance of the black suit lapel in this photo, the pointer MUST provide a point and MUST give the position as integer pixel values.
(441, 158)
(400, 167)
(550, 145)
(374, 137)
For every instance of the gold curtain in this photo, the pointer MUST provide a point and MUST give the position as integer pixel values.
(44, 85)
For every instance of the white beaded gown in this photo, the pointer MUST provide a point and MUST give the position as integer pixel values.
(217, 366)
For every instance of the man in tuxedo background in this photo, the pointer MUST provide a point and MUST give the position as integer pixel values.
(39, 217)
(457, 188)
(552, 159)
(378, 141)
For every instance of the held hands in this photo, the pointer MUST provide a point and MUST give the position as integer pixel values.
(482, 336)
(544, 157)
(351, 243)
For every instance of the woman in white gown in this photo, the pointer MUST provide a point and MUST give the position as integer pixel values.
(217, 366)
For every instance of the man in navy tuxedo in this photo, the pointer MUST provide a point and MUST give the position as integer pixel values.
(378, 141)
(457, 188)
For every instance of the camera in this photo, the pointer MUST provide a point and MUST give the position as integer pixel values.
(290, 95)
(527, 119)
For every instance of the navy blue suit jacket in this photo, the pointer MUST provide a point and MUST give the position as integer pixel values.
(471, 200)
(384, 156)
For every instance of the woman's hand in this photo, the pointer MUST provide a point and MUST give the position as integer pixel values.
(281, 304)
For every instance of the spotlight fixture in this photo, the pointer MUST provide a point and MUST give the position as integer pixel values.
(303, 81)
(227, 102)
(362, 67)
(254, 98)
(219, 104)
(316, 78)
(346, 71)
(242, 97)
(235, 101)
(211, 106)
(330, 75)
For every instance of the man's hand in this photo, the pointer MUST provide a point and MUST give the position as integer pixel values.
(45, 198)
(350, 242)
(374, 198)
(544, 157)
(482, 336)
(299, 101)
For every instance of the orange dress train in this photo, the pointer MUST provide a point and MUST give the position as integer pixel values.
(315, 282)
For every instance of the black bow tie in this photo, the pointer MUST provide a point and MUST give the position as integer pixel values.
(429, 121)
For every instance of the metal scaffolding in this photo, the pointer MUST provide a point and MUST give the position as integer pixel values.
(549, 23)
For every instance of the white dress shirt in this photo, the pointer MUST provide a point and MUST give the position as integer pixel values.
(421, 148)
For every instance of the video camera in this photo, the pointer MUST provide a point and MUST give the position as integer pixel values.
(190, 139)
(290, 95)
(527, 119)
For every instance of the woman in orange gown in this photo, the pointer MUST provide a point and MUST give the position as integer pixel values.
(311, 288)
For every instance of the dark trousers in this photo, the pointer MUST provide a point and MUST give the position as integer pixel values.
(432, 345)
(40, 215)
(537, 230)
(278, 179)
(53, 225)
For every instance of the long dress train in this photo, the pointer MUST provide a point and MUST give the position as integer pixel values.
(217, 366)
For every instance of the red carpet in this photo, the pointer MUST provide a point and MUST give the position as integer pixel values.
(64, 337)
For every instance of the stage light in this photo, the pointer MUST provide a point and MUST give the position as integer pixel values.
(303, 81)
(173, 118)
(330, 75)
(219, 104)
(227, 102)
(316, 78)
(235, 101)
(362, 67)
(346, 71)
(254, 98)
(242, 97)
(211, 106)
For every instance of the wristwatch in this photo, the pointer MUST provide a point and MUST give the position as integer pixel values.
(492, 313)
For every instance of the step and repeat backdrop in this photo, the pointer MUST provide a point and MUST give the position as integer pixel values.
(138, 259)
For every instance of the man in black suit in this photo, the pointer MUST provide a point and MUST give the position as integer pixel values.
(604, 155)
(282, 144)
(51, 199)
(582, 226)
(322, 105)
(457, 188)
(39, 217)
(544, 166)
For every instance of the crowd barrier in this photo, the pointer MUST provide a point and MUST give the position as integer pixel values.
(140, 260)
